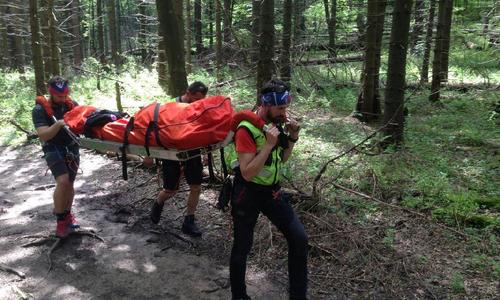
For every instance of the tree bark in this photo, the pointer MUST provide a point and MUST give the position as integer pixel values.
(210, 13)
(368, 105)
(54, 40)
(198, 35)
(254, 52)
(5, 59)
(227, 21)
(142, 30)
(299, 25)
(441, 48)
(188, 36)
(331, 20)
(446, 40)
(285, 68)
(15, 31)
(171, 31)
(113, 34)
(36, 49)
(218, 40)
(418, 27)
(265, 65)
(424, 73)
(396, 73)
(100, 32)
(77, 45)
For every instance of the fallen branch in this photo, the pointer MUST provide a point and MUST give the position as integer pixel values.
(30, 135)
(52, 248)
(12, 271)
(220, 84)
(399, 208)
(22, 295)
(333, 60)
(173, 234)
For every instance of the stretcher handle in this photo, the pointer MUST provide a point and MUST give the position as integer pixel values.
(69, 132)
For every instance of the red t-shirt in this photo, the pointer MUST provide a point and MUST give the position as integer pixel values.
(244, 141)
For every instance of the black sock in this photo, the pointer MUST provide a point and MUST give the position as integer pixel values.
(61, 217)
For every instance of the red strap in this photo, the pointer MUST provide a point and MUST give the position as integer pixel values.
(48, 108)
(246, 115)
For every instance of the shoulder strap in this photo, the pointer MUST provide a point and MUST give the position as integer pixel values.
(46, 105)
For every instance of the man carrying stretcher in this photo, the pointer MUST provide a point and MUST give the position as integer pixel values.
(192, 171)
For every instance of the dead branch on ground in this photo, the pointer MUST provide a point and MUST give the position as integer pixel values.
(12, 271)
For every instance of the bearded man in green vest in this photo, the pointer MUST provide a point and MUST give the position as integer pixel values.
(260, 156)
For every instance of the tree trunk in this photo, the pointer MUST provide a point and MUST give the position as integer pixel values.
(254, 54)
(163, 73)
(226, 22)
(210, 14)
(113, 34)
(54, 40)
(171, 31)
(142, 30)
(331, 20)
(440, 49)
(368, 105)
(446, 40)
(17, 40)
(299, 25)
(36, 49)
(265, 65)
(218, 40)
(77, 45)
(4, 39)
(100, 32)
(285, 68)
(396, 73)
(188, 36)
(418, 27)
(424, 73)
(44, 25)
(198, 36)
(118, 27)
(360, 21)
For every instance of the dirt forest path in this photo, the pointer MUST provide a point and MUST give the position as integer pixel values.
(136, 260)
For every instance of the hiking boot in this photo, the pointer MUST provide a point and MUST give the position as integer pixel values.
(189, 227)
(62, 229)
(71, 220)
(156, 212)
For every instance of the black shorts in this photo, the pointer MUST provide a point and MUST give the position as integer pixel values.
(62, 160)
(172, 172)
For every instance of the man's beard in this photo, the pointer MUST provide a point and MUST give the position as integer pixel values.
(275, 120)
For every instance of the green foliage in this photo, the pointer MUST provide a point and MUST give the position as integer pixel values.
(457, 283)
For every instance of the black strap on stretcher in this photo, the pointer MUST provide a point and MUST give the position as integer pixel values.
(123, 148)
(152, 127)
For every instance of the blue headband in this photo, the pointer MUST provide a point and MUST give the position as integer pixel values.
(60, 86)
(276, 98)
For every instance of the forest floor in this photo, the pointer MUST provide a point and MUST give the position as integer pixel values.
(391, 255)
(137, 260)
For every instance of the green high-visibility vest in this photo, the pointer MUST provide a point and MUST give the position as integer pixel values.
(270, 174)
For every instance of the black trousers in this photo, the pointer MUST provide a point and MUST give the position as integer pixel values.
(247, 202)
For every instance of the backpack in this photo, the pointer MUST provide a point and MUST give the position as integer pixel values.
(100, 118)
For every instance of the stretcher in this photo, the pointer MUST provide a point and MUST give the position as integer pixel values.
(154, 152)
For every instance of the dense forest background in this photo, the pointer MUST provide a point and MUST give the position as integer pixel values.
(398, 100)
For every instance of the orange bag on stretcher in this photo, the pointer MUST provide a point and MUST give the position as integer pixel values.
(175, 125)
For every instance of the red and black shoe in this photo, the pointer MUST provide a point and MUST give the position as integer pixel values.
(71, 221)
(62, 228)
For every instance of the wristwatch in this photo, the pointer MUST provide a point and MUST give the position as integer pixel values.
(292, 139)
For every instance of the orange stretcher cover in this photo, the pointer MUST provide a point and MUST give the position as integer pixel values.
(180, 126)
